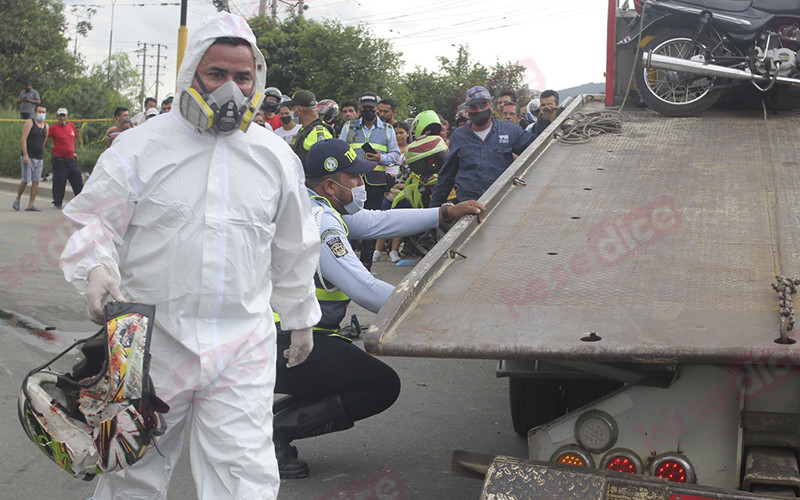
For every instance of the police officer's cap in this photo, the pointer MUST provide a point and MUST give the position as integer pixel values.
(334, 155)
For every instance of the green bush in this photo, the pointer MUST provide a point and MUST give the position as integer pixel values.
(91, 145)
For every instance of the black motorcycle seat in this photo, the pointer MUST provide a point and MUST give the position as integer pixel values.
(726, 5)
(778, 6)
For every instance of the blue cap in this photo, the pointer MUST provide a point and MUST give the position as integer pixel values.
(334, 155)
(477, 94)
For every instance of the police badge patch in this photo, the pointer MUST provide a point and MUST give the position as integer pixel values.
(337, 247)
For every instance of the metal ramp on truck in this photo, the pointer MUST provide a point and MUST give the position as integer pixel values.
(658, 245)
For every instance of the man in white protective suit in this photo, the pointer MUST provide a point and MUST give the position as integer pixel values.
(209, 220)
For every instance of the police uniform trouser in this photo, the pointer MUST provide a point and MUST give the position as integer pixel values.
(366, 385)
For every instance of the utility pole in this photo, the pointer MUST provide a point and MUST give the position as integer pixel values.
(274, 7)
(262, 8)
(300, 8)
(144, 68)
(158, 67)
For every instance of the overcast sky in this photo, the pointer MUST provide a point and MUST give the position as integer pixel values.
(561, 43)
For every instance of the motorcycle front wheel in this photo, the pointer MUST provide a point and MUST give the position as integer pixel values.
(675, 93)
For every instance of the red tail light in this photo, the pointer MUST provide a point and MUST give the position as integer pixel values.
(673, 467)
(622, 464)
(637, 4)
(622, 460)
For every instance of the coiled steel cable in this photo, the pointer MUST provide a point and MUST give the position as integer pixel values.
(582, 127)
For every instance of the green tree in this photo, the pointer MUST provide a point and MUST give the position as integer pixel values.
(460, 74)
(33, 47)
(345, 61)
(427, 90)
(279, 42)
(508, 76)
(332, 60)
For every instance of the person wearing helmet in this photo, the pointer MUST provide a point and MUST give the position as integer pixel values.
(272, 98)
(479, 153)
(206, 217)
(340, 384)
(313, 128)
(329, 111)
(533, 109)
(426, 123)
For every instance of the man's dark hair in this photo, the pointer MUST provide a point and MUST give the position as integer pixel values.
(511, 93)
(166, 101)
(119, 111)
(390, 102)
(40, 105)
(549, 93)
(231, 40)
(285, 104)
(150, 99)
(351, 104)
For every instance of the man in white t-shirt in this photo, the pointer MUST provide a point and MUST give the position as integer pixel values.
(289, 127)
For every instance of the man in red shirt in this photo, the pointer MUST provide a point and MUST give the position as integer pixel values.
(65, 159)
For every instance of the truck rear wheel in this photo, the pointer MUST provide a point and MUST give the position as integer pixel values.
(535, 402)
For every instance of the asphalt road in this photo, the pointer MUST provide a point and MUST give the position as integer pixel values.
(403, 453)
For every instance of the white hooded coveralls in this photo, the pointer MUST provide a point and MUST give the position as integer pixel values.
(211, 228)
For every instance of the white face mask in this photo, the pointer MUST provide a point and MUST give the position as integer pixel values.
(359, 198)
(41, 116)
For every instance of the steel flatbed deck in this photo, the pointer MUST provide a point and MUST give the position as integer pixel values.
(657, 245)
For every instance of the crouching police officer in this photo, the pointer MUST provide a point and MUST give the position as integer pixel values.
(339, 383)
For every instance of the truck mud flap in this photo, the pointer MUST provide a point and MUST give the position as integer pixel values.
(510, 478)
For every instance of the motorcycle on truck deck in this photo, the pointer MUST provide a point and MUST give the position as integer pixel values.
(645, 280)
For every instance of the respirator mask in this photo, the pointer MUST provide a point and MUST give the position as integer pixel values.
(225, 109)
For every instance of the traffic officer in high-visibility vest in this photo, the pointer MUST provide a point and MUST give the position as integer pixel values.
(314, 129)
(339, 383)
(374, 141)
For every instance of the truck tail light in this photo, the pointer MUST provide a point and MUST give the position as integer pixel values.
(673, 467)
(573, 455)
(622, 460)
(596, 431)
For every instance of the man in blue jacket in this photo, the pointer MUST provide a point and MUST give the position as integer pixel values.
(480, 151)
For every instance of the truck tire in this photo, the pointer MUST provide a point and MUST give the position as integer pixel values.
(583, 391)
(535, 402)
(675, 93)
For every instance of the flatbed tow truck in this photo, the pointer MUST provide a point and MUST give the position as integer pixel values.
(638, 288)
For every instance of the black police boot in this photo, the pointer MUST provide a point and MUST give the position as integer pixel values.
(289, 466)
(305, 419)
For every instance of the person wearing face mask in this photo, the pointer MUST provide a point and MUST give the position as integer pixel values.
(288, 127)
(272, 98)
(313, 127)
(206, 217)
(34, 135)
(339, 383)
(479, 152)
(374, 141)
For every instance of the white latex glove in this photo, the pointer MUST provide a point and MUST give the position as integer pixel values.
(300, 348)
(101, 288)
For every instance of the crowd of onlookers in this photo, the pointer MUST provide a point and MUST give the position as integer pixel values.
(278, 113)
